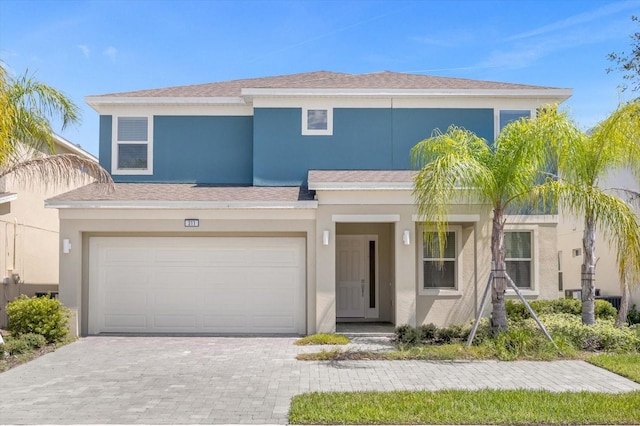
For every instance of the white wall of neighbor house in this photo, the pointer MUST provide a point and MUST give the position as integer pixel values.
(29, 243)
(570, 234)
(79, 225)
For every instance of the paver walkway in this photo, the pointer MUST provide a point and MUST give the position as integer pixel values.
(181, 380)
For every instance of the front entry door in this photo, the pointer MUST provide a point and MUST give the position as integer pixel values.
(351, 275)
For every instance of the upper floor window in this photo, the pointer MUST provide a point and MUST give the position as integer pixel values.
(519, 258)
(507, 116)
(317, 121)
(132, 146)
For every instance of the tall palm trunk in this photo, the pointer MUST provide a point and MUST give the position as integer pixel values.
(498, 254)
(623, 312)
(589, 270)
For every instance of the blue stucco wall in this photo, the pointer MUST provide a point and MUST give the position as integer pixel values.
(104, 147)
(195, 149)
(363, 138)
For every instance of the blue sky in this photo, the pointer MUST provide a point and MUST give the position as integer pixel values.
(97, 47)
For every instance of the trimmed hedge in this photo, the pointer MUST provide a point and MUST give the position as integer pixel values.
(40, 315)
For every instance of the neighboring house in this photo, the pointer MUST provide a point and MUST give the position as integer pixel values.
(570, 233)
(29, 232)
(284, 204)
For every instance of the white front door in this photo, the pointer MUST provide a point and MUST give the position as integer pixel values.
(352, 275)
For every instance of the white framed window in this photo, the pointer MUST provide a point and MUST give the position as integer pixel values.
(522, 257)
(502, 117)
(132, 145)
(519, 258)
(317, 121)
(440, 273)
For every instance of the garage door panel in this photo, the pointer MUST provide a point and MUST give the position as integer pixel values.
(206, 284)
(126, 322)
(274, 256)
(174, 322)
(124, 299)
(126, 255)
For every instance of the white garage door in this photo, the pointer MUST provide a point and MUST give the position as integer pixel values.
(196, 285)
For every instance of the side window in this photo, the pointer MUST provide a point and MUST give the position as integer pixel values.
(317, 121)
(519, 258)
(132, 146)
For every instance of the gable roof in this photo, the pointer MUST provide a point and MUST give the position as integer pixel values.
(324, 80)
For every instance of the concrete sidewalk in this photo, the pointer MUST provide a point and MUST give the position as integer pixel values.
(228, 380)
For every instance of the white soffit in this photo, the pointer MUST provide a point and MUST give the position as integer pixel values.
(8, 197)
(365, 218)
(453, 218)
(357, 186)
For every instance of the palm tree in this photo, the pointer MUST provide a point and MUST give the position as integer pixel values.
(26, 108)
(460, 166)
(584, 161)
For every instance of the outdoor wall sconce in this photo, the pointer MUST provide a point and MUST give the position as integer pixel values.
(406, 237)
(325, 238)
(66, 246)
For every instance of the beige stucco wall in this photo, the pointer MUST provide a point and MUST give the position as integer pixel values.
(343, 213)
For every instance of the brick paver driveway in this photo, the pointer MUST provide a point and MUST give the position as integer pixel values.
(180, 380)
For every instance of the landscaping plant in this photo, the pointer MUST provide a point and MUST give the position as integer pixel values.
(40, 315)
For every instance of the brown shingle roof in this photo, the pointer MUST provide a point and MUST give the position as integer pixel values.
(327, 80)
(184, 192)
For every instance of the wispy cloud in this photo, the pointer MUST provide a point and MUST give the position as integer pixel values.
(85, 50)
(581, 18)
(111, 53)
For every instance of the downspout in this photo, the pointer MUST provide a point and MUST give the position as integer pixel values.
(475, 268)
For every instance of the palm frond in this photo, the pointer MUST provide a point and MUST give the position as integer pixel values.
(58, 170)
(452, 168)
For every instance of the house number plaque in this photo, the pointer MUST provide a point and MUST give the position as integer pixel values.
(191, 223)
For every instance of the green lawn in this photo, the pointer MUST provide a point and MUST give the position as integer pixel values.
(627, 365)
(509, 407)
(323, 339)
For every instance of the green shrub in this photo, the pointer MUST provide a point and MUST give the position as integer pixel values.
(452, 333)
(16, 346)
(35, 341)
(634, 316)
(40, 315)
(516, 311)
(605, 310)
(427, 332)
(602, 336)
(407, 335)
(3, 349)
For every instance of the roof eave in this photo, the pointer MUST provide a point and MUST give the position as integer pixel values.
(540, 93)
(180, 205)
(361, 186)
(98, 102)
(8, 197)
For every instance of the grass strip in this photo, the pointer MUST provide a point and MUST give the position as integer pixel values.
(626, 365)
(323, 339)
(508, 407)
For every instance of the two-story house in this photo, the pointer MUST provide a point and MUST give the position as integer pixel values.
(283, 205)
